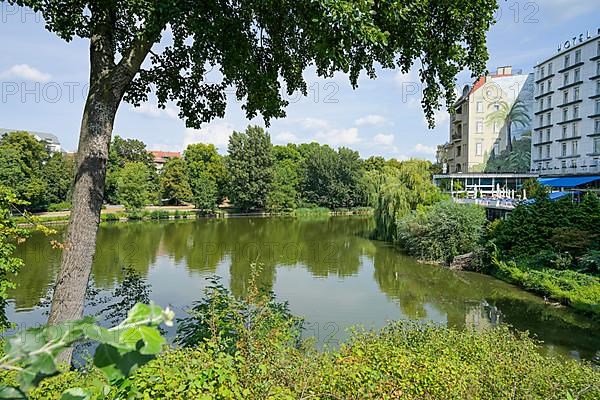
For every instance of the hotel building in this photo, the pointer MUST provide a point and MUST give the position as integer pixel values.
(566, 137)
(473, 136)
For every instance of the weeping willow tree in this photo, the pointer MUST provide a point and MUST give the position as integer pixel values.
(401, 189)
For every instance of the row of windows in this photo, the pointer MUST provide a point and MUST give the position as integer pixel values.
(567, 131)
(567, 62)
(546, 119)
(571, 164)
(544, 87)
(478, 149)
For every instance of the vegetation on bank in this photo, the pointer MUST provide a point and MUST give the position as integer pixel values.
(251, 349)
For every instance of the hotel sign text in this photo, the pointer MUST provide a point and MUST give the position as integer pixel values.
(574, 41)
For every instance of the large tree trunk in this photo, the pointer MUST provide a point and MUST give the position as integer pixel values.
(108, 83)
(88, 193)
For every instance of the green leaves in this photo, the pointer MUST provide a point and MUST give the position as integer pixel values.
(121, 350)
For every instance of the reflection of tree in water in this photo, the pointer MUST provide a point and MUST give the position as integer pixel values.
(134, 289)
(134, 244)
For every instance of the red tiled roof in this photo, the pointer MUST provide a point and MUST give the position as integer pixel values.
(162, 156)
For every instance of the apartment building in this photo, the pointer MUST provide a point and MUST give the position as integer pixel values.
(481, 129)
(566, 137)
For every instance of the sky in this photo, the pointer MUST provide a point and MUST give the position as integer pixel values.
(43, 85)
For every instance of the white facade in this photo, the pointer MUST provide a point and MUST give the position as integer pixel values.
(566, 137)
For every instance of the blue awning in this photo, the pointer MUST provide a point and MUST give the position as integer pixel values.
(553, 196)
(568, 182)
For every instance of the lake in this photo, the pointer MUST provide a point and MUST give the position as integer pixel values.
(327, 268)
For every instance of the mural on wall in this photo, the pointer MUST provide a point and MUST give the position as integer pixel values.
(512, 151)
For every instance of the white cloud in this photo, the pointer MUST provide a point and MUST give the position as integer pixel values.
(339, 137)
(383, 139)
(285, 137)
(25, 72)
(424, 149)
(372, 119)
(152, 110)
(312, 123)
(216, 133)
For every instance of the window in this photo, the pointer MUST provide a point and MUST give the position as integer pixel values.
(598, 86)
(576, 94)
(597, 67)
(540, 153)
(575, 148)
(496, 148)
(479, 107)
(565, 96)
(547, 135)
(458, 149)
(563, 164)
(577, 75)
(478, 149)
(541, 87)
(597, 126)
(575, 129)
(540, 136)
(598, 49)
(565, 113)
(578, 56)
(567, 60)
(565, 78)
(564, 150)
(542, 72)
(564, 132)
(541, 120)
(573, 163)
(547, 151)
(550, 65)
(597, 106)
(549, 118)
(596, 145)
(539, 166)
(549, 84)
(547, 164)
(549, 101)
(479, 127)
(541, 104)
(575, 112)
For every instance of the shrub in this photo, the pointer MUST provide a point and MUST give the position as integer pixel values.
(109, 217)
(590, 262)
(62, 206)
(159, 214)
(442, 231)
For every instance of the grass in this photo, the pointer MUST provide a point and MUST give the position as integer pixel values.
(577, 290)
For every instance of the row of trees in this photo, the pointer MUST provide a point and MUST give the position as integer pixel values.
(35, 175)
(253, 175)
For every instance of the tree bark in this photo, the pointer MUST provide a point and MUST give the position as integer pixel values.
(88, 193)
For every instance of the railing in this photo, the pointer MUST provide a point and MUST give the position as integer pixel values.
(502, 204)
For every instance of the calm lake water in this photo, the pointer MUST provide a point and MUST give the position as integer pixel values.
(326, 268)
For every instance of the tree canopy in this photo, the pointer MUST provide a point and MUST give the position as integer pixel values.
(254, 43)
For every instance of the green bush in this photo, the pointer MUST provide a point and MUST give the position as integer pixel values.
(590, 262)
(300, 212)
(137, 215)
(62, 206)
(442, 231)
(159, 214)
(109, 217)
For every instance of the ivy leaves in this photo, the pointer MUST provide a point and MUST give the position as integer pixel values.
(121, 350)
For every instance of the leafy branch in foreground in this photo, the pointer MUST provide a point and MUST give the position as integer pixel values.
(121, 350)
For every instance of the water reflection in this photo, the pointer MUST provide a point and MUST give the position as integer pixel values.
(327, 269)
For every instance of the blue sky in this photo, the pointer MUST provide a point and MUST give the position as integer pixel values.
(43, 79)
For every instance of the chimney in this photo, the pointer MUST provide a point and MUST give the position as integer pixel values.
(506, 70)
